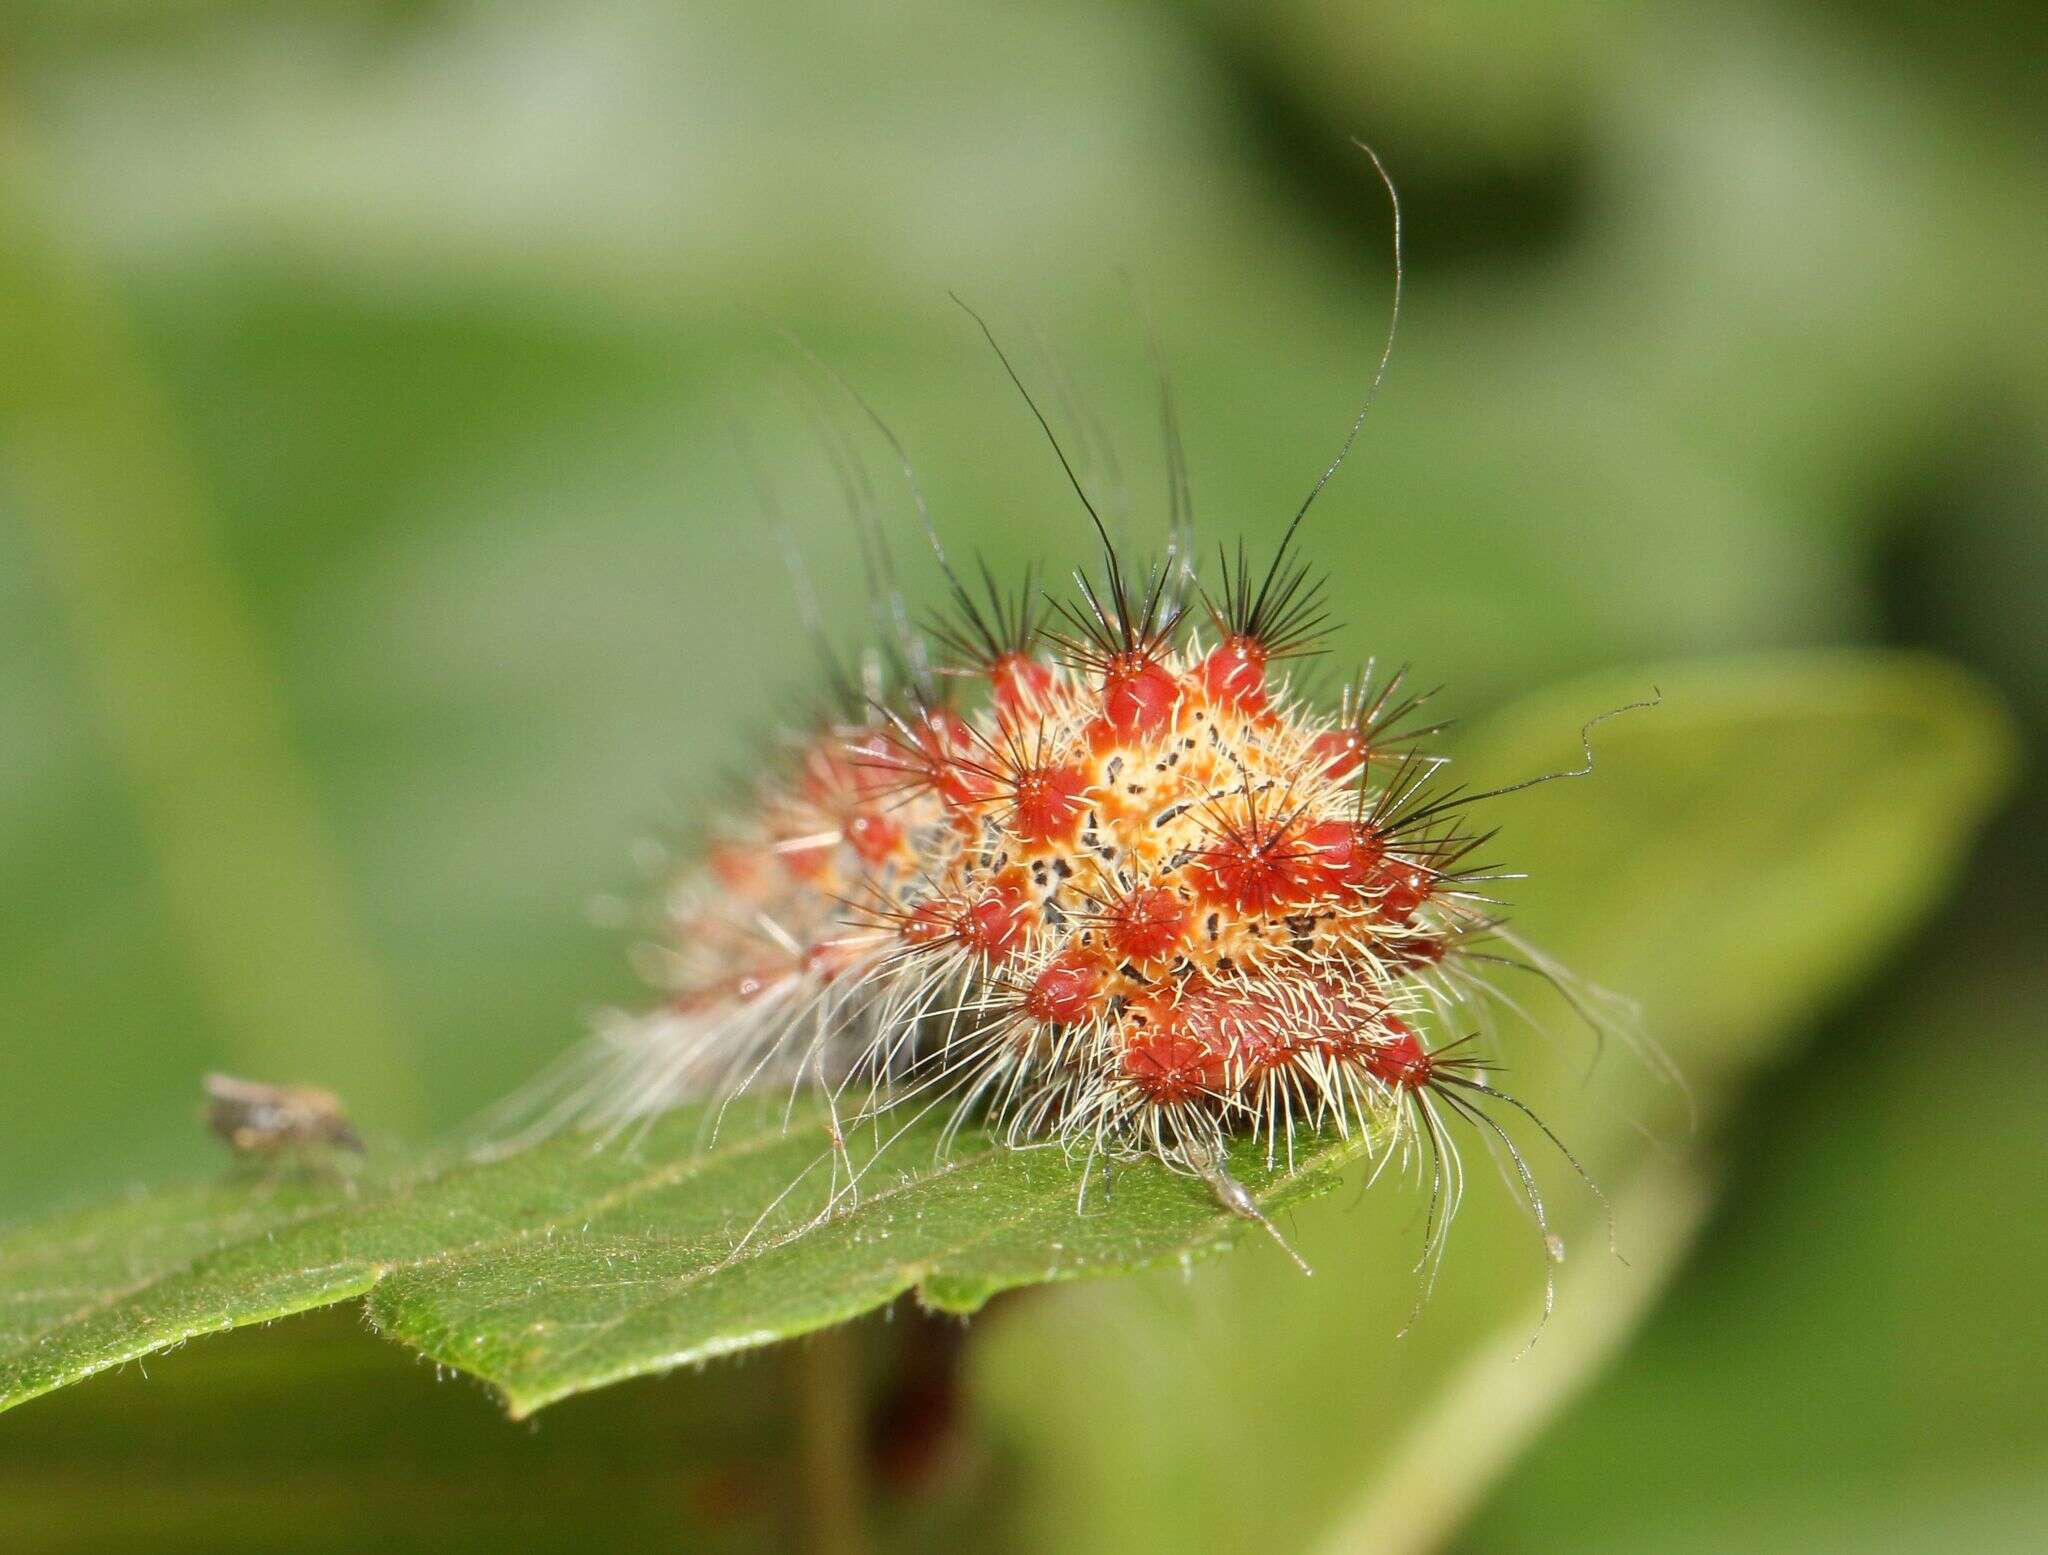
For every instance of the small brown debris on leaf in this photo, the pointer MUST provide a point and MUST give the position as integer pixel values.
(257, 1119)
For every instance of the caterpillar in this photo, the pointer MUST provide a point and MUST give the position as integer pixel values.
(1091, 871)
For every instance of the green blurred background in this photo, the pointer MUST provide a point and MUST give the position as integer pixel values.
(376, 566)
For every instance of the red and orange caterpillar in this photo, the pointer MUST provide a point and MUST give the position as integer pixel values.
(1091, 872)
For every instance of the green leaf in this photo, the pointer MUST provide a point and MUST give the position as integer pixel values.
(1752, 842)
(568, 1266)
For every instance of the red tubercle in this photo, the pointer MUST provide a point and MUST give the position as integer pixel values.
(1398, 889)
(1138, 695)
(994, 921)
(960, 786)
(874, 835)
(1399, 1059)
(1255, 872)
(1019, 684)
(1339, 753)
(1047, 802)
(1234, 674)
(1148, 924)
(991, 922)
(1340, 855)
(1166, 1057)
(1064, 993)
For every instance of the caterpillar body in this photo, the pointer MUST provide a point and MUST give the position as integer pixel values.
(1094, 872)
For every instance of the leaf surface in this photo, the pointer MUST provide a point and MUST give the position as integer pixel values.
(569, 1266)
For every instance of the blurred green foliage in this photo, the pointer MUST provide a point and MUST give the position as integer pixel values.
(375, 564)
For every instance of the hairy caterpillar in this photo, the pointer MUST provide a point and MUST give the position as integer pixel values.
(1090, 872)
